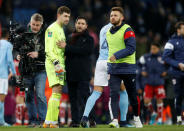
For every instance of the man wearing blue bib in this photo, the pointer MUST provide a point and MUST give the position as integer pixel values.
(121, 63)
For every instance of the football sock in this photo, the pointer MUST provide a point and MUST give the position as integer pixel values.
(91, 102)
(53, 109)
(123, 105)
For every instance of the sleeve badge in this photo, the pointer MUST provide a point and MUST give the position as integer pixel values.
(49, 34)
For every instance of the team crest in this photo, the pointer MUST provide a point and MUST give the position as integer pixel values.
(49, 34)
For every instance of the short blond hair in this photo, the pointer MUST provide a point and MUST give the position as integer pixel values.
(37, 17)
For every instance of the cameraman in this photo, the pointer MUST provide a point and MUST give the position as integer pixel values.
(31, 49)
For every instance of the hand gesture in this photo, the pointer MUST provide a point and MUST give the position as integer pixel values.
(61, 44)
(145, 74)
(113, 58)
(181, 66)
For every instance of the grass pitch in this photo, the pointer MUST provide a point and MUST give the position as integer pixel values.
(99, 128)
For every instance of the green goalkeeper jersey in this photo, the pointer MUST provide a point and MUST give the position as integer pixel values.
(53, 34)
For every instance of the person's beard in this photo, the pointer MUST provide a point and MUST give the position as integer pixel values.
(66, 22)
(78, 29)
(116, 23)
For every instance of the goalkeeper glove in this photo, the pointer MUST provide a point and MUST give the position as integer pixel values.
(58, 69)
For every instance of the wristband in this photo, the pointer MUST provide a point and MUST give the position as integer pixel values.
(56, 62)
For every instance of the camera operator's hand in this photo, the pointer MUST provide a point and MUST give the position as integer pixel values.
(58, 69)
(33, 54)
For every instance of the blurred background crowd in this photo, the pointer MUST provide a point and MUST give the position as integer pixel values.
(152, 21)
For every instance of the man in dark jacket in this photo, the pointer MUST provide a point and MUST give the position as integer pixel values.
(78, 68)
(174, 56)
(32, 68)
(153, 70)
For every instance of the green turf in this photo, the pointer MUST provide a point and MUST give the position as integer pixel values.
(99, 128)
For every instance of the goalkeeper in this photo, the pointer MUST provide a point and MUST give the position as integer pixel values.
(55, 66)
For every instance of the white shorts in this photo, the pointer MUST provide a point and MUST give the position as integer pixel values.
(101, 76)
(4, 86)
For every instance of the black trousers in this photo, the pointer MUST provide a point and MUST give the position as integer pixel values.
(79, 92)
(115, 84)
(178, 83)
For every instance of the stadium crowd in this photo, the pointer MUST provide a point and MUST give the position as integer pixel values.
(152, 21)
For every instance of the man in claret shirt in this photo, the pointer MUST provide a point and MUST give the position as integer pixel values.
(121, 64)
